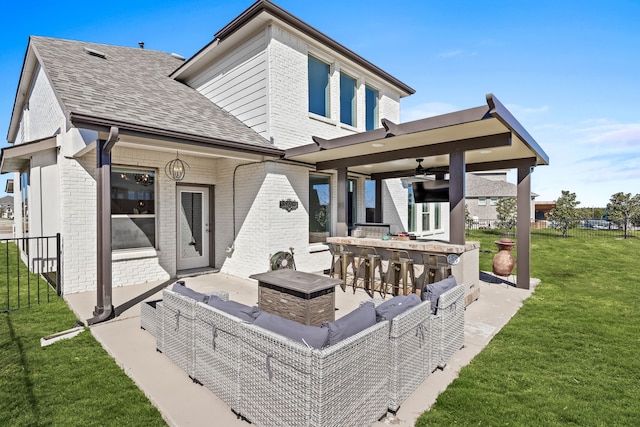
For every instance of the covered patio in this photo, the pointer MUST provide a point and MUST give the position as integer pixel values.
(184, 403)
(478, 139)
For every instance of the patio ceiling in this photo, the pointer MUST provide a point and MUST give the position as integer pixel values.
(491, 137)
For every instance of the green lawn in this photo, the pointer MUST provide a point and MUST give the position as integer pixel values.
(70, 383)
(570, 356)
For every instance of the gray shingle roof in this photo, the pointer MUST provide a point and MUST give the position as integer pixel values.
(131, 85)
(478, 186)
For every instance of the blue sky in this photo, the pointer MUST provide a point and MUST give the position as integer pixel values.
(567, 70)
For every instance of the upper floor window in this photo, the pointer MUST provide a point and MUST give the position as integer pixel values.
(482, 201)
(318, 87)
(133, 208)
(494, 201)
(371, 108)
(347, 100)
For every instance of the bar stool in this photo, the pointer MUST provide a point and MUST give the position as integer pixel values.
(402, 268)
(436, 268)
(341, 259)
(367, 262)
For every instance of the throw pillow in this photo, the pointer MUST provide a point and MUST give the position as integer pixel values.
(188, 292)
(313, 336)
(234, 308)
(350, 324)
(396, 305)
(433, 291)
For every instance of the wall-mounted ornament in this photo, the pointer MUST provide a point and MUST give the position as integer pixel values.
(288, 205)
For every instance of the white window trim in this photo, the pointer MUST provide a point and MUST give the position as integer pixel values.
(127, 252)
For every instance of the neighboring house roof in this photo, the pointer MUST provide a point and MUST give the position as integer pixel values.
(478, 186)
(6, 201)
(131, 88)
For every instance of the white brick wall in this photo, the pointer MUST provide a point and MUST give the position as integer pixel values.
(44, 115)
(78, 208)
(261, 226)
(284, 80)
(291, 123)
(395, 205)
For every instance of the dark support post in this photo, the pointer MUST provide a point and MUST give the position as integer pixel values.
(104, 306)
(378, 210)
(457, 173)
(58, 266)
(343, 203)
(523, 227)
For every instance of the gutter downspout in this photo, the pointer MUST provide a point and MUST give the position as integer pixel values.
(104, 307)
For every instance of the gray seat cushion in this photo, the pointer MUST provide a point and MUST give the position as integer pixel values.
(396, 305)
(313, 336)
(350, 324)
(433, 291)
(234, 308)
(181, 289)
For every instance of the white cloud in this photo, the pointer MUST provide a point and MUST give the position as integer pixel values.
(594, 158)
(613, 135)
(451, 53)
(428, 109)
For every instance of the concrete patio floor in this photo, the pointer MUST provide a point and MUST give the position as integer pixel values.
(184, 403)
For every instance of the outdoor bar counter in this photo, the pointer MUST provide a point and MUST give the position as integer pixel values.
(466, 270)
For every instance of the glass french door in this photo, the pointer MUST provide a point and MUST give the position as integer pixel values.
(193, 227)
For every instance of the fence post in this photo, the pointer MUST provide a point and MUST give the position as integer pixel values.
(58, 266)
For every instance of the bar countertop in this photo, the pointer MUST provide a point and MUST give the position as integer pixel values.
(434, 246)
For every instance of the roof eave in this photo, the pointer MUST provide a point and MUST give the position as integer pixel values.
(17, 157)
(103, 125)
(267, 6)
(29, 65)
(500, 112)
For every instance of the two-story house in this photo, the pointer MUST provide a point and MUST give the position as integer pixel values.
(173, 165)
(484, 191)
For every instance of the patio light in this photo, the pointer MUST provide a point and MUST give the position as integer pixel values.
(176, 169)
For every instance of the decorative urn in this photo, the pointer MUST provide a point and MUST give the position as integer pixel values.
(503, 261)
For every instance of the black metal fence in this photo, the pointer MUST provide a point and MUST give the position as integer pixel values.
(29, 271)
(586, 228)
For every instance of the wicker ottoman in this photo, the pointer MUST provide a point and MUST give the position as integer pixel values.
(149, 320)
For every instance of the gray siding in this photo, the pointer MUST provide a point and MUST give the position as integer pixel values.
(238, 83)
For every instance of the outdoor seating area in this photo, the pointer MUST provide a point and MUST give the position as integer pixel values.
(273, 371)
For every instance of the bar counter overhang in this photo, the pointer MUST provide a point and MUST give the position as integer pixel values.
(465, 268)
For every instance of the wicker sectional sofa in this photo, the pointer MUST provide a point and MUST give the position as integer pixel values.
(270, 379)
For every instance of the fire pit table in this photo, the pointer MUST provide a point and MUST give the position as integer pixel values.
(303, 297)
